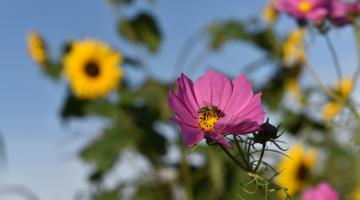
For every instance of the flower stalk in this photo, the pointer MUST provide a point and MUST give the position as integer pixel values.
(232, 157)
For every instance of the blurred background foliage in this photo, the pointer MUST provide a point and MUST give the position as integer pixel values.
(137, 117)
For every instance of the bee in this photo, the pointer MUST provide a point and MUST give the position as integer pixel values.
(208, 110)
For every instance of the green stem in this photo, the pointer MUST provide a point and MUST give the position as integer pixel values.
(186, 176)
(241, 152)
(357, 37)
(232, 157)
(260, 158)
(248, 153)
(133, 45)
(321, 85)
(353, 109)
(334, 57)
(318, 80)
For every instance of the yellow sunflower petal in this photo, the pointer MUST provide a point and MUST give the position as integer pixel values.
(331, 109)
(36, 48)
(355, 195)
(296, 169)
(269, 15)
(344, 87)
(92, 69)
(293, 86)
(293, 48)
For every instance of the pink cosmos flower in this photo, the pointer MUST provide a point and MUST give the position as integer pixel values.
(357, 7)
(215, 106)
(322, 192)
(341, 11)
(312, 10)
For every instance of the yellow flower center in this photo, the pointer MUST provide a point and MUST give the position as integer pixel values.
(305, 6)
(208, 116)
(92, 69)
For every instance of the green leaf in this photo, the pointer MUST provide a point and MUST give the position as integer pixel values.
(108, 195)
(119, 2)
(126, 2)
(105, 150)
(222, 32)
(153, 93)
(73, 107)
(53, 70)
(262, 37)
(103, 108)
(150, 142)
(155, 191)
(273, 90)
(134, 62)
(132, 127)
(295, 122)
(142, 29)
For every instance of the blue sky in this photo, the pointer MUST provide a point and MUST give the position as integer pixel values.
(41, 150)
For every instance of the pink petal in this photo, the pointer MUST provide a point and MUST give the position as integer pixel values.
(191, 136)
(182, 122)
(279, 6)
(317, 14)
(319, 8)
(322, 192)
(213, 88)
(241, 95)
(243, 128)
(233, 124)
(219, 138)
(328, 192)
(254, 110)
(186, 93)
(180, 110)
(320, 3)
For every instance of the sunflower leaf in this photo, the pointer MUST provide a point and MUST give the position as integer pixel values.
(295, 122)
(133, 127)
(53, 70)
(155, 191)
(232, 30)
(105, 150)
(142, 29)
(119, 2)
(274, 90)
(130, 61)
(108, 195)
(73, 107)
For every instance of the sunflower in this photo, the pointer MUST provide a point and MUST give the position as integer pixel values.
(269, 14)
(293, 48)
(343, 89)
(295, 170)
(293, 86)
(355, 195)
(36, 48)
(92, 69)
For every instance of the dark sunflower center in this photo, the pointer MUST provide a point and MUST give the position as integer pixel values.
(303, 172)
(92, 69)
(208, 116)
